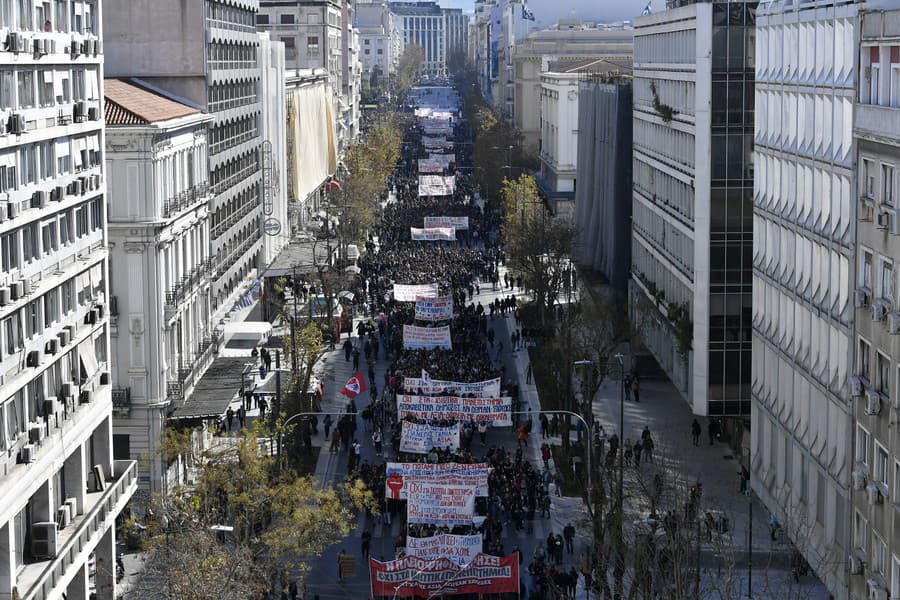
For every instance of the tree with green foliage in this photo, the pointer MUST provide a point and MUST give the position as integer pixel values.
(408, 66)
(280, 522)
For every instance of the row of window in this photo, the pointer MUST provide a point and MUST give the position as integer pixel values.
(184, 254)
(878, 555)
(660, 140)
(30, 321)
(36, 88)
(674, 47)
(878, 181)
(820, 51)
(47, 161)
(820, 124)
(238, 205)
(667, 191)
(216, 10)
(233, 172)
(652, 273)
(876, 273)
(667, 239)
(880, 80)
(224, 136)
(75, 16)
(38, 239)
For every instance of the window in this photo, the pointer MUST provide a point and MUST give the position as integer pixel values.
(26, 88)
(68, 297)
(30, 242)
(380, 51)
(859, 531)
(262, 19)
(887, 184)
(51, 307)
(368, 51)
(868, 178)
(862, 445)
(366, 42)
(13, 340)
(874, 82)
(895, 80)
(33, 325)
(45, 88)
(881, 465)
(883, 374)
(312, 43)
(49, 238)
(864, 359)
(895, 577)
(879, 555)
(886, 281)
(290, 43)
(287, 19)
(9, 251)
(865, 275)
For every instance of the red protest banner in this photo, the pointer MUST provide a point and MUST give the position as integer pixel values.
(413, 576)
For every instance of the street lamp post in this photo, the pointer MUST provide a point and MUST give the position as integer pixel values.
(618, 571)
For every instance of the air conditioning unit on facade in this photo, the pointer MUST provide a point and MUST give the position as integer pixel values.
(16, 123)
(67, 389)
(5, 296)
(72, 503)
(44, 540)
(35, 433)
(862, 298)
(859, 480)
(883, 220)
(879, 311)
(27, 453)
(856, 565)
(52, 346)
(26, 286)
(63, 517)
(16, 289)
(33, 359)
(85, 397)
(873, 402)
(64, 337)
(893, 323)
(857, 387)
(12, 209)
(873, 494)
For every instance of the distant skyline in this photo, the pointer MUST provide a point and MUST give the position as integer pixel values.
(548, 12)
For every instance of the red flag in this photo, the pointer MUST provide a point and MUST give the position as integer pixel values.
(355, 386)
(333, 185)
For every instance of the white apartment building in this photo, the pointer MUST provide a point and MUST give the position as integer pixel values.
(804, 223)
(692, 213)
(159, 231)
(559, 139)
(60, 486)
(205, 53)
(379, 42)
(875, 495)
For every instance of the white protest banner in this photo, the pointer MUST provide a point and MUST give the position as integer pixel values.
(487, 389)
(427, 165)
(440, 504)
(454, 222)
(398, 475)
(420, 439)
(443, 159)
(436, 143)
(409, 293)
(496, 411)
(434, 309)
(426, 338)
(436, 185)
(442, 234)
(461, 549)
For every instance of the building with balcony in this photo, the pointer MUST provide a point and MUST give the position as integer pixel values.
(159, 238)
(206, 54)
(531, 57)
(423, 24)
(60, 487)
(875, 479)
(804, 224)
(379, 42)
(319, 34)
(692, 180)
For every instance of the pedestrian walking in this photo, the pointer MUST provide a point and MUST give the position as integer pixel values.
(529, 375)
(335, 441)
(636, 389)
(628, 449)
(229, 415)
(348, 349)
(263, 405)
(355, 355)
(376, 439)
(695, 432)
(545, 426)
(326, 423)
(626, 386)
(523, 435)
(482, 431)
(647, 443)
(366, 542)
(569, 535)
(714, 431)
(545, 455)
(242, 415)
(638, 450)
(342, 554)
(554, 425)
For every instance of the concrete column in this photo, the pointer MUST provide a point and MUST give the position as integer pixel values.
(76, 477)
(42, 508)
(78, 588)
(105, 577)
(102, 441)
(7, 560)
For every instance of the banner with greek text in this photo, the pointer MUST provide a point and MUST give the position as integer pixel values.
(398, 475)
(412, 576)
(420, 439)
(427, 165)
(452, 222)
(496, 411)
(434, 309)
(443, 159)
(440, 504)
(426, 338)
(436, 185)
(436, 143)
(433, 234)
(487, 389)
(409, 293)
(461, 549)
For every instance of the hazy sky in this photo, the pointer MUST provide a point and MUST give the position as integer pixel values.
(548, 12)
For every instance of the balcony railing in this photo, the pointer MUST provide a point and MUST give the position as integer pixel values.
(121, 399)
(38, 581)
(233, 180)
(185, 199)
(232, 141)
(233, 256)
(232, 219)
(188, 283)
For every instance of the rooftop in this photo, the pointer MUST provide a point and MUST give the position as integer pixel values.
(418, 9)
(130, 104)
(593, 65)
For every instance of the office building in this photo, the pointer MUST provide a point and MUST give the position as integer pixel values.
(804, 228)
(379, 43)
(276, 224)
(456, 30)
(206, 53)
(159, 231)
(692, 213)
(423, 24)
(875, 479)
(60, 487)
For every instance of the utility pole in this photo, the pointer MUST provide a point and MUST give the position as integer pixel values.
(277, 411)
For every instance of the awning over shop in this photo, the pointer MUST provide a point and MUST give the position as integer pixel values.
(301, 258)
(215, 390)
